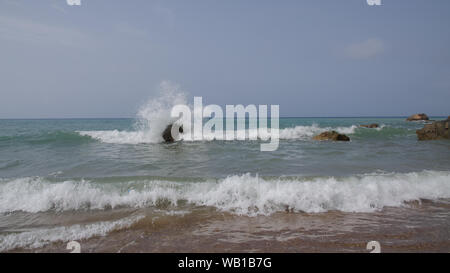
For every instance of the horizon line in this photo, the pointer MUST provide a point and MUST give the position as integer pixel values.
(69, 118)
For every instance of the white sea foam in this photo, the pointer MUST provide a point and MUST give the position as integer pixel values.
(147, 136)
(380, 127)
(44, 236)
(123, 137)
(245, 194)
(152, 118)
(306, 132)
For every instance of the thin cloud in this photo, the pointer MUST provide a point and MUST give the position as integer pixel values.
(365, 49)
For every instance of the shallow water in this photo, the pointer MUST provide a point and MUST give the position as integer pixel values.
(113, 186)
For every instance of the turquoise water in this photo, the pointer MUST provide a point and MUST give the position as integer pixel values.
(56, 148)
(75, 179)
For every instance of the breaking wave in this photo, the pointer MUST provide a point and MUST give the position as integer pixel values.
(238, 194)
(154, 116)
(138, 137)
(43, 236)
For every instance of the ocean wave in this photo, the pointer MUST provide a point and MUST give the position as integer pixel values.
(138, 137)
(51, 137)
(9, 164)
(122, 137)
(385, 132)
(144, 136)
(307, 132)
(239, 194)
(43, 236)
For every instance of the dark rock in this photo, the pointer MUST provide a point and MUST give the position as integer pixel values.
(331, 135)
(435, 130)
(373, 125)
(167, 134)
(415, 117)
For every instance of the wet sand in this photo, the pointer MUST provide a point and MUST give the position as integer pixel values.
(416, 227)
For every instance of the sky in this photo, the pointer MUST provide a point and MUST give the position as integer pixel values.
(106, 58)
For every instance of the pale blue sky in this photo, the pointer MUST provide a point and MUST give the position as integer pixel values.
(105, 58)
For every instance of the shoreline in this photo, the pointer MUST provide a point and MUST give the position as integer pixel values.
(416, 227)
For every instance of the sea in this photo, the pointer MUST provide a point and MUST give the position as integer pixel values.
(113, 185)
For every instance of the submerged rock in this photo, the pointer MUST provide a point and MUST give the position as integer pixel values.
(373, 125)
(331, 135)
(167, 134)
(435, 130)
(415, 117)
